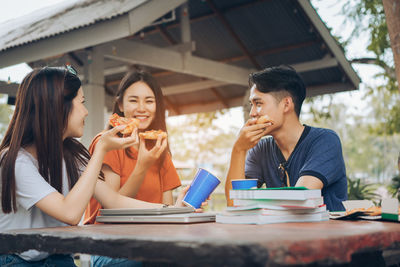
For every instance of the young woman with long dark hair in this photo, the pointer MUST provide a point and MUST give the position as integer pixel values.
(139, 172)
(47, 176)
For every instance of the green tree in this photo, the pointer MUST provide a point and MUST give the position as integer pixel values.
(368, 154)
(370, 140)
(203, 141)
(200, 140)
(369, 16)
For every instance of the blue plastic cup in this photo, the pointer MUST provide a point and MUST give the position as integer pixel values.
(244, 183)
(201, 187)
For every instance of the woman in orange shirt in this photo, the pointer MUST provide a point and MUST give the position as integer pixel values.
(139, 172)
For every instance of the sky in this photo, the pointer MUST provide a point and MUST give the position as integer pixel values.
(13, 9)
(329, 11)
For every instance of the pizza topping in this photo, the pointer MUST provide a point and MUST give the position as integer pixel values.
(131, 123)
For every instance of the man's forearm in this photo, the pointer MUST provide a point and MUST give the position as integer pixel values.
(310, 182)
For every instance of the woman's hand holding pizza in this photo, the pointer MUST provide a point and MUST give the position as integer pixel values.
(131, 123)
(148, 157)
(110, 140)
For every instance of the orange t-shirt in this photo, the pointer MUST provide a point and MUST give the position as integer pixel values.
(156, 181)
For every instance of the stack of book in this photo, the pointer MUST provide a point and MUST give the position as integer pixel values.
(274, 205)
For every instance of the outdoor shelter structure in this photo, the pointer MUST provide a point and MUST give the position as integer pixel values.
(200, 51)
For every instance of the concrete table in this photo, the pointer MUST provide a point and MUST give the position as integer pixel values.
(211, 244)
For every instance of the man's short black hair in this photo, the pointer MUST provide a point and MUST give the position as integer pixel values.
(278, 79)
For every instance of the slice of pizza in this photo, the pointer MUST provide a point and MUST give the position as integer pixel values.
(153, 134)
(131, 123)
(264, 119)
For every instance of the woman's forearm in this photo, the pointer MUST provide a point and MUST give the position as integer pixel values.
(135, 180)
(110, 199)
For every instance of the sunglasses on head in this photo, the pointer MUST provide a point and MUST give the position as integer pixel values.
(71, 69)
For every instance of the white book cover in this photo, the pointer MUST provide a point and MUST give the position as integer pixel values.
(279, 204)
(284, 193)
(267, 219)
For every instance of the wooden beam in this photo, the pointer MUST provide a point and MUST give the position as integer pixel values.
(328, 88)
(8, 88)
(172, 107)
(190, 87)
(220, 97)
(209, 106)
(326, 62)
(269, 51)
(94, 95)
(163, 58)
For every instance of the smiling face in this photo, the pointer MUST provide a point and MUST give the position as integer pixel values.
(139, 102)
(76, 118)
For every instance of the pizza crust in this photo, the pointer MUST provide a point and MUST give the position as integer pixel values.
(153, 134)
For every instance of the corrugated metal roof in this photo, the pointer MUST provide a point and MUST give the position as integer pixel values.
(61, 18)
(274, 32)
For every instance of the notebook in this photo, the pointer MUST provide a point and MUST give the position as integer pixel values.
(166, 218)
(156, 211)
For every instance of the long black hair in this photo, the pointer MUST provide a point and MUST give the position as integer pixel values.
(43, 104)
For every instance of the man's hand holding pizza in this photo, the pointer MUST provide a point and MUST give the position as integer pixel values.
(252, 131)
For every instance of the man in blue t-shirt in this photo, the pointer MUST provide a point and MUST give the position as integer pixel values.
(294, 154)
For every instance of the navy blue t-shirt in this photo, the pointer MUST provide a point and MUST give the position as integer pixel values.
(318, 153)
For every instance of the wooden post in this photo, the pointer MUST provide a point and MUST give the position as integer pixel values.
(93, 88)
